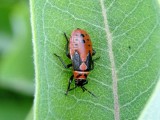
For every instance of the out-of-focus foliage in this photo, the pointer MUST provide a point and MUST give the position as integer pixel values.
(16, 62)
(13, 106)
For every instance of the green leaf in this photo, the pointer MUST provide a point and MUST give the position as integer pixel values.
(125, 35)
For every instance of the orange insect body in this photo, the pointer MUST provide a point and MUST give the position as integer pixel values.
(80, 41)
(79, 50)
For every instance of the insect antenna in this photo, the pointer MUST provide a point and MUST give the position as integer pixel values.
(85, 89)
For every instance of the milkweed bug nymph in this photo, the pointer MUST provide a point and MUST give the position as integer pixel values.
(79, 50)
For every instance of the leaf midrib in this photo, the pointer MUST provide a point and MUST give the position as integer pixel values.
(109, 40)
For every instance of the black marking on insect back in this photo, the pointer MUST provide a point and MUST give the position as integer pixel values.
(89, 45)
(75, 40)
(83, 41)
(75, 45)
(78, 75)
(80, 82)
(76, 61)
(88, 61)
(82, 35)
(85, 75)
(87, 39)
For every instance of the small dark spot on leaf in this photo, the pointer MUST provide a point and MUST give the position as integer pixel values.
(129, 47)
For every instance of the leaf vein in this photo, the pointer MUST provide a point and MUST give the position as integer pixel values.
(112, 61)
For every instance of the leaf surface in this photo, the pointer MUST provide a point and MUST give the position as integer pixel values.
(125, 35)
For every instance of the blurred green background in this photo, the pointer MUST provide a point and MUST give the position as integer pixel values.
(16, 61)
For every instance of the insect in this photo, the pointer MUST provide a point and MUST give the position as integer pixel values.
(79, 50)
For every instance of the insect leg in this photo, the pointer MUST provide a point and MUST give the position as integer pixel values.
(67, 52)
(69, 83)
(94, 52)
(66, 66)
(92, 66)
(72, 88)
(96, 59)
(85, 89)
